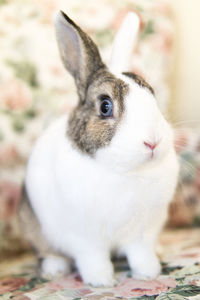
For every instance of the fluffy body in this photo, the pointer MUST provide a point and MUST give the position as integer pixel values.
(94, 183)
(88, 207)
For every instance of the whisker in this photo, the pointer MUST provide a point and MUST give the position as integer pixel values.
(191, 151)
(174, 124)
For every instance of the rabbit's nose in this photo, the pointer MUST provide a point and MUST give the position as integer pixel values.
(152, 145)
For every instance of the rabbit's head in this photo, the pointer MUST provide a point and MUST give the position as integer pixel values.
(117, 120)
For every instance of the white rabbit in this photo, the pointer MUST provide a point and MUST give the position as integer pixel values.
(100, 180)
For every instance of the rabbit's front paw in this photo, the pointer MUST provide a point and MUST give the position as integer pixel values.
(54, 266)
(147, 271)
(96, 271)
(143, 262)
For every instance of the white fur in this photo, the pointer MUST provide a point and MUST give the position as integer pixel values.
(88, 207)
(54, 266)
(124, 43)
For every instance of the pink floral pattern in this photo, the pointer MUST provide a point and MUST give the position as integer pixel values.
(180, 278)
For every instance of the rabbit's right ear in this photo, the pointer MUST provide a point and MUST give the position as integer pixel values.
(124, 43)
(79, 53)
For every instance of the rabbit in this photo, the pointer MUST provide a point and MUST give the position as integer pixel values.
(99, 180)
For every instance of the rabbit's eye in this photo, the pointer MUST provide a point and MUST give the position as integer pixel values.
(106, 107)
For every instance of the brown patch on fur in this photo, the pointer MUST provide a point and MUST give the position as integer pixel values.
(139, 80)
(87, 129)
(30, 227)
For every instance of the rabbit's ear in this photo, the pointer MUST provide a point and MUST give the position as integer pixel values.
(124, 43)
(79, 54)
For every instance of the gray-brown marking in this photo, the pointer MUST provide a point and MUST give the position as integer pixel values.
(86, 128)
(30, 227)
(139, 80)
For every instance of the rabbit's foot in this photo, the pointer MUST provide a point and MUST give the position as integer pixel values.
(148, 271)
(54, 266)
(143, 262)
(96, 271)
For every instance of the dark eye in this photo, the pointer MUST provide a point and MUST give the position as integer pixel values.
(106, 107)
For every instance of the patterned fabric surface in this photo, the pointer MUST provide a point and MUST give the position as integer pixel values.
(185, 208)
(180, 279)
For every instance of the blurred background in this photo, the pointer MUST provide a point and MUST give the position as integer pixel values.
(35, 88)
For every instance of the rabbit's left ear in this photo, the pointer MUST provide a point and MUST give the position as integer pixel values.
(79, 53)
(124, 43)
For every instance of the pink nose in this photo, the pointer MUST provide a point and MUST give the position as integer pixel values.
(152, 146)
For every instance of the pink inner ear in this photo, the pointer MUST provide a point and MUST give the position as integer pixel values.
(69, 45)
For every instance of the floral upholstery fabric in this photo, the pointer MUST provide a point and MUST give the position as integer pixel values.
(185, 208)
(180, 278)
